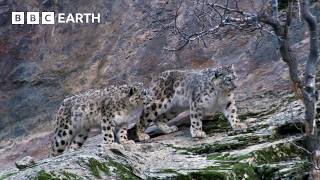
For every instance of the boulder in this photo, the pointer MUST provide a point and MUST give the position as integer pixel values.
(25, 162)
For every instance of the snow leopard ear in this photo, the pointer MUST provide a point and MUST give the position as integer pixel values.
(232, 67)
(135, 88)
(229, 67)
(132, 91)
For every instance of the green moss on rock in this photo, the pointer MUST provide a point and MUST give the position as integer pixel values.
(245, 171)
(205, 174)
(218, 123)
(265, 163)
(223, 171)
(210, 148)
(3, 177)
(71, 176)
(123, 171)
(169, 171)
(237, 143)
(236, 170)
(96, 167)
(281, 152)
(43, 175)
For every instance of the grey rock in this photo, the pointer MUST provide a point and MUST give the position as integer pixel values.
(259, 152)
(47, 3)
(129, 45)
(4, 14)
(3, 2)
(25, 162)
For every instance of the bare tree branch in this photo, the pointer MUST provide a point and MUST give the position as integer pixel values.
(275, 9)
(310, 97)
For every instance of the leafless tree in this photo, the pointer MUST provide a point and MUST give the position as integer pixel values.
(213, 17)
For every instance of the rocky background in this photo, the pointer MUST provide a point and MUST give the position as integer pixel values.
(41, 64)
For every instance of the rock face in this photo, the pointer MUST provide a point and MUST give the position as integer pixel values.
(268, 150)
(25, 162)
(40, 65)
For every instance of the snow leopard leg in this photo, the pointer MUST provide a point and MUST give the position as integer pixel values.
(230, 112)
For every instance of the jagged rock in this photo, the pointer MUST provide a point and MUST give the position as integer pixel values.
(224, 154)
(129, 45)
(3, 2)
(25, 162)
(4, 14)
(47, 3)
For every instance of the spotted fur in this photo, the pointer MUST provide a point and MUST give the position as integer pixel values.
(199, 91)
(108, 108)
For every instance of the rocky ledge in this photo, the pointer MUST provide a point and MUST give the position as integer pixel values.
(269, 149)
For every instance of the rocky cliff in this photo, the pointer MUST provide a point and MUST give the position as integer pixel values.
(268, 150)
(41, 64)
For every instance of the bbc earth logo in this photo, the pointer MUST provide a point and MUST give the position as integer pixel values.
(52, 18)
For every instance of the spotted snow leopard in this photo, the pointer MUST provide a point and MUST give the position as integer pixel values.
(201, 92)
(108, 108)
